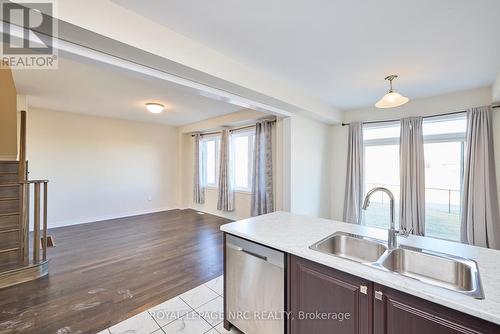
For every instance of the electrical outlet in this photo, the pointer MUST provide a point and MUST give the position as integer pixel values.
(150, 198)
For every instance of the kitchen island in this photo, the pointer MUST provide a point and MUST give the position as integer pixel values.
(294, 234)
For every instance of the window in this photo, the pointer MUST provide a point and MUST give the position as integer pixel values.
(444, 140)
(241, 157)
(381, 143)
(242, 144)
(210, 148)
(444, 160)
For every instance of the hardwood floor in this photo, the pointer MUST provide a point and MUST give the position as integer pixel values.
(105, 272)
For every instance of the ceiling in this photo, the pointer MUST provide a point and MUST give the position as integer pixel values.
(87, 87)
(341, 50)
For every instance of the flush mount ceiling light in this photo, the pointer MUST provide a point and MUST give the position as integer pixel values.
(154, 108)
(391, 99)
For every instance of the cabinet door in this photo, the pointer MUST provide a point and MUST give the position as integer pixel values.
(324, 300)
(396, 312)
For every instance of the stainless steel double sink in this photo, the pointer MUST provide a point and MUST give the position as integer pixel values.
(438, 269)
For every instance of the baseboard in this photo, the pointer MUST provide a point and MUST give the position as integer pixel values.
(88, 220)
(217, 213)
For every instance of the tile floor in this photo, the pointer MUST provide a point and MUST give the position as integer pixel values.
(197, 311)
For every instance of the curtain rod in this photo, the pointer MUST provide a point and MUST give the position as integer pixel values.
(438, 115)
(230, 130)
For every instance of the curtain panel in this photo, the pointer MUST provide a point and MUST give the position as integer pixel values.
(355, 175)
(412, 175)
(262, 172)
(225, 201)
(199, 172)
(480, 221)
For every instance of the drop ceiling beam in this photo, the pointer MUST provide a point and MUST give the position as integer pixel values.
(121, 32)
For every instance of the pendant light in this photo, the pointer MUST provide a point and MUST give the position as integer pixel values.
(391, 99)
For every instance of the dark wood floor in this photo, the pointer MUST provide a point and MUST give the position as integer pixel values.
(105, 272)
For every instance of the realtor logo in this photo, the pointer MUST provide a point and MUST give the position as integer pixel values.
(28, 35)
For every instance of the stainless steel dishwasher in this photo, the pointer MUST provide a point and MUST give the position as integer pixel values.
(255, 287)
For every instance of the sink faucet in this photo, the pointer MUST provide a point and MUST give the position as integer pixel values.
(392, 240)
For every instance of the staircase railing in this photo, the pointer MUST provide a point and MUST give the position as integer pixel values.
(39, 206)
(39, 219)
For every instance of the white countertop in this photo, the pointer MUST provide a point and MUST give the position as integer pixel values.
(294, 234)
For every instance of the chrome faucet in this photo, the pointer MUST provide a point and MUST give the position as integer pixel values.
(392, 235)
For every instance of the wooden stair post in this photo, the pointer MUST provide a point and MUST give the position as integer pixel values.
(25, 195)
(22, 148)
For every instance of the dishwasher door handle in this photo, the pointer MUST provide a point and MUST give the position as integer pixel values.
(240, 249)
(262, 257)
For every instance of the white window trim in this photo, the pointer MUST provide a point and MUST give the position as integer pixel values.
(445, 138)
(250, 134)
(428, 139)
(381, 124)
(438, 138)
(382, 141)
(215, 138)
(445, 117)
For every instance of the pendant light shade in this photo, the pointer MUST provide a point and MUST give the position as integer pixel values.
(391, 99)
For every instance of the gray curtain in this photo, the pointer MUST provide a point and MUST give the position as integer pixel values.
(225, 201)
(412, 176)
(262, 178)
(199, 172)
(355, 175)
(480, 221)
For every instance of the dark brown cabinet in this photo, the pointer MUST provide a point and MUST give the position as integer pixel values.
(319, 295)
(324, 300)
(396, 312)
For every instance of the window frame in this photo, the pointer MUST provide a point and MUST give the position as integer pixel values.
(251, 135)
(382, 141)
(459, 137)
(445, 137)
(216, 138)
(388, 141)
(452, 137)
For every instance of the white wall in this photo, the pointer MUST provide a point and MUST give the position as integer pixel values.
(419, 107)
(101, 168)
(338, 153)
(440, 104)
(310, 167)
(495, 90)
